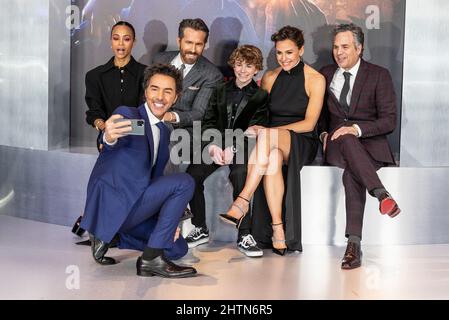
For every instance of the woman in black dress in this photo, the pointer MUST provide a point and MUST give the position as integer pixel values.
(116, 83)
(296, 98)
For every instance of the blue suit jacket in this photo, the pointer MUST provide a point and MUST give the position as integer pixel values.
(120, 176)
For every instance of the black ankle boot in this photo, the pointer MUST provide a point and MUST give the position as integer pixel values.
(77, 228)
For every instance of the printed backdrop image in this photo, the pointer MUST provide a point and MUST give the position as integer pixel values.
(232, 23)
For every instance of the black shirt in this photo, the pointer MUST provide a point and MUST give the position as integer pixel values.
(108, 87)
(235, 96)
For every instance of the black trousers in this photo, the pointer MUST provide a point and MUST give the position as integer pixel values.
(200, 172)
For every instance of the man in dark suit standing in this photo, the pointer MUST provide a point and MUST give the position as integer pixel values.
(200, 75)
(127, 195)
(359, 112)
(233, 107)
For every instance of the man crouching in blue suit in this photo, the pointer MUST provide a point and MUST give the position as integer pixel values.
(128, 198)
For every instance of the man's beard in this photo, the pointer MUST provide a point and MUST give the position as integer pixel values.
(189, 60)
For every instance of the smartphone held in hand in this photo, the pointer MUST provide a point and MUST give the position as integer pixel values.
(137, 126)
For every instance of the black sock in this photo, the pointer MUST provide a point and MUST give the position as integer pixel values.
(379, 193)
(151, 253)
(354, 239)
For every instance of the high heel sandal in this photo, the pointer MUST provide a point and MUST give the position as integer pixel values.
(281, 251)
(230, 219)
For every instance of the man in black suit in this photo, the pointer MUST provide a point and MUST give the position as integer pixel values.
(200, 75)
(237, 104)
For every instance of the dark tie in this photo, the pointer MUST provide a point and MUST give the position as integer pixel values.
(181, 69)
(344, 92)
(162, 152)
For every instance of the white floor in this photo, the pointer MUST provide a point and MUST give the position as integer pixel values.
(41, 261)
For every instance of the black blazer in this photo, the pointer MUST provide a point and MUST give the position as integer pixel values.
(197, 88)
(103, 89)
(252, 110)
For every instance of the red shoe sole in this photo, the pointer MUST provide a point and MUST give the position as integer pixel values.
(389, 207)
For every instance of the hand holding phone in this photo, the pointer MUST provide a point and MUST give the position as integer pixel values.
(118, 127)
(137, 126)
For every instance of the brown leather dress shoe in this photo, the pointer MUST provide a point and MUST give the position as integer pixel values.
(353, 256)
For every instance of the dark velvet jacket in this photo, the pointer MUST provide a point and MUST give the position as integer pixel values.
(252, 110)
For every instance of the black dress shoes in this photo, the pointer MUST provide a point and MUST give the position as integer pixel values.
(77, 229)
(162, 267)
(112, 244)
(99, 249)
(353, 256)
(280, 252)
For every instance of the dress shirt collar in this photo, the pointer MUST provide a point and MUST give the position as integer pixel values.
(353, 71)
(177, 62)
(246, 89)
(151, 117)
